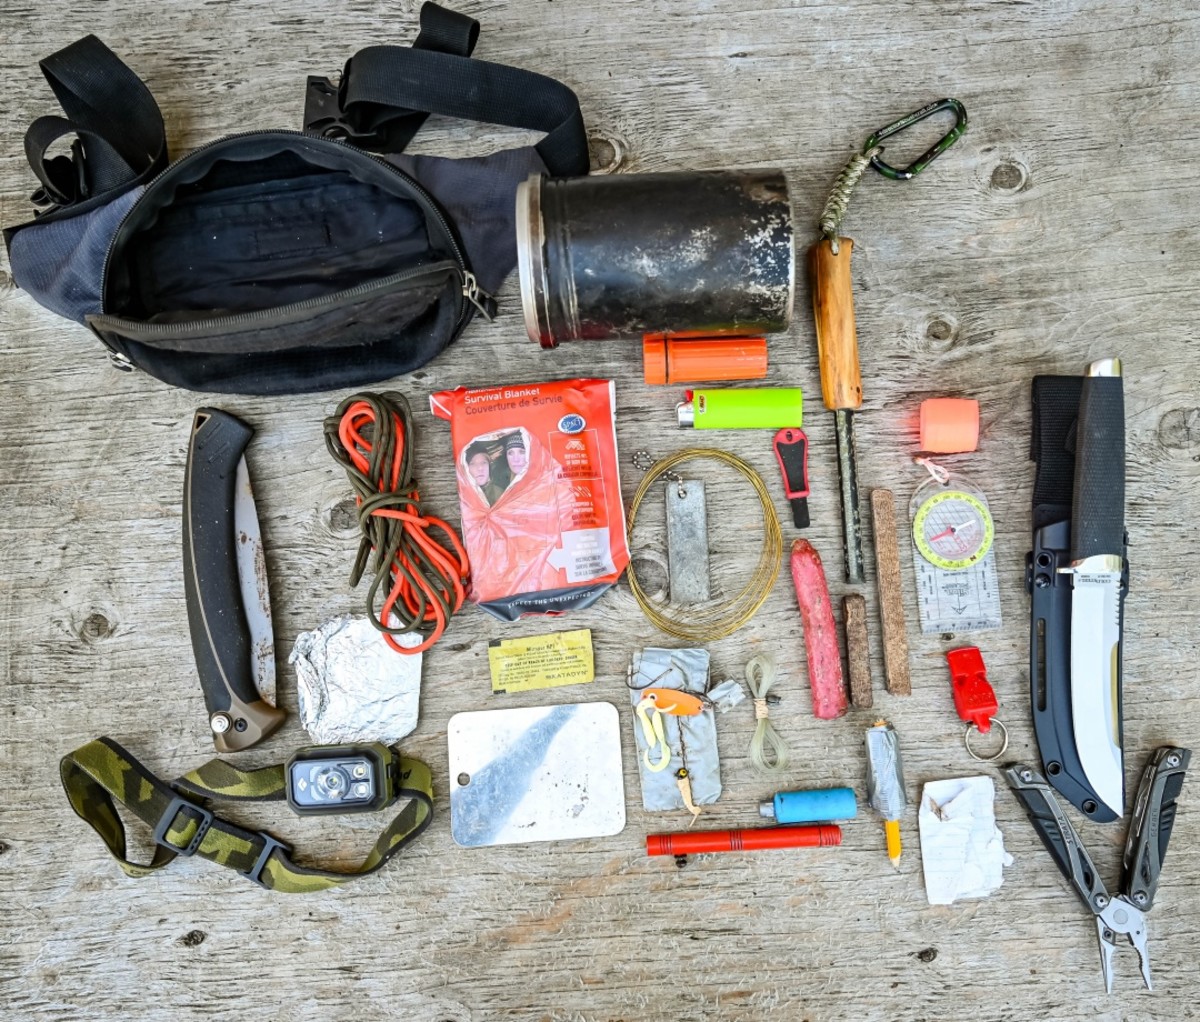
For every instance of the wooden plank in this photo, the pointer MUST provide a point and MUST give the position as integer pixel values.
(1009, 256)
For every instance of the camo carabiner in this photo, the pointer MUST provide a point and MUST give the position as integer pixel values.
(931, 154)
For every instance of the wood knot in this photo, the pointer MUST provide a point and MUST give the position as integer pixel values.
(343, 517)
(96, 628)
(193, 938)
(1179, 430)
(939, 330)
(941, 334)
(1010, 176)
(606, 151)
(926, 955)
(4, 847)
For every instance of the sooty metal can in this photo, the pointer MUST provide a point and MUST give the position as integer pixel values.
(699, 254)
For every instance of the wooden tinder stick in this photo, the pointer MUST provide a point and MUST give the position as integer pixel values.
(891, 594)
(858, 651)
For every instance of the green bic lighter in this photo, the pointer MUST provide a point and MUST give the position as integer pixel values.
(749, 408)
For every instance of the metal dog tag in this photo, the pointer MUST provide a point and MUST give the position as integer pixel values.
(687, 541)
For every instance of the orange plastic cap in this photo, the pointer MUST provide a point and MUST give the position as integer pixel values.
(949, 425)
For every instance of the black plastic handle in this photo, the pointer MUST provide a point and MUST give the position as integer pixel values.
(221, 639)
(791, 451)
(1153, 819)
(1098, 507)
(1060, 838)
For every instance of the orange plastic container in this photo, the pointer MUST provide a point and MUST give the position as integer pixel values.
(949, 425)
(668, 360)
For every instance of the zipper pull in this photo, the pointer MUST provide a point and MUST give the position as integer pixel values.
(478, 297)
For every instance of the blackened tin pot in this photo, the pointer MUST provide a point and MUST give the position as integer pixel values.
(701, 254)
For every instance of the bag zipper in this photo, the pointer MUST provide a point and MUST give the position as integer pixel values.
(473, 296)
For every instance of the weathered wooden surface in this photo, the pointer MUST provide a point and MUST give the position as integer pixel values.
(1060, 229)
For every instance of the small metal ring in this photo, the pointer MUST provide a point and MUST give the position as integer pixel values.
(986, 759)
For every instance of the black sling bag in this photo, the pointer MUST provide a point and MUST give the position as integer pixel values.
(278, 262)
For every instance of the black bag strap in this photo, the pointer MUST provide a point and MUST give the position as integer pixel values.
(386, 93)
(120, 139)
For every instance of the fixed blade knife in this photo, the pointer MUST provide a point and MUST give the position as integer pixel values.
(1097, 564)
(229, 610)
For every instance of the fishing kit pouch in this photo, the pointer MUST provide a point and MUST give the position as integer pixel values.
(540, 491)
(277, 262)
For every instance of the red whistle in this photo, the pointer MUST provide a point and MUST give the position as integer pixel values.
(974, 697)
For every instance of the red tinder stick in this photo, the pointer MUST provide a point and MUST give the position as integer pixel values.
(820, 633)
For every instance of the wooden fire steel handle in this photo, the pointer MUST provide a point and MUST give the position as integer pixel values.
(833, 310)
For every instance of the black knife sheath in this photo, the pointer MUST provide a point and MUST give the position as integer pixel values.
(1055, 411)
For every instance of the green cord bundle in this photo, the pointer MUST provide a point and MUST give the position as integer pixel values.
(768, 753)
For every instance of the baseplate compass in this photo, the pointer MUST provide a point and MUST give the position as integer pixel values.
(952, 534)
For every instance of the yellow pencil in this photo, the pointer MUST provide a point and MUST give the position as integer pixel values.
(892, 829)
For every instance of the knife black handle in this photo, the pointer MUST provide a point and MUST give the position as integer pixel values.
(1153, 819)
(1098, 513)
(221, 641)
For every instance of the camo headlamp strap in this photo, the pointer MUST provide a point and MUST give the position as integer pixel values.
(101, 771)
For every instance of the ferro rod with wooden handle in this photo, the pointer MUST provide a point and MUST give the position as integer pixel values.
(841, 379)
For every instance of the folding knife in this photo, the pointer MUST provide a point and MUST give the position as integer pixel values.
(225, 579)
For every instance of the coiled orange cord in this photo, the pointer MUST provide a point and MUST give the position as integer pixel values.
(368, 435)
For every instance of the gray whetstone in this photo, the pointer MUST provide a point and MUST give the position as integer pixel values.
(858, 649)
(687, 542)
(891, 593)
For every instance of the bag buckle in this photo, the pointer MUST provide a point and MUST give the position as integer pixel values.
(270, 846)
(325, 117)
(323, 108)
(177, 806)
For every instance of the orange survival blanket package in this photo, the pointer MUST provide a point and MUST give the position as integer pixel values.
(542, 516)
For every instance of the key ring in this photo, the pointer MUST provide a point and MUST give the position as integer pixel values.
(986, 759)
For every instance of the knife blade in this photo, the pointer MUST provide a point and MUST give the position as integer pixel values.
(1097, 542)
(225, 581)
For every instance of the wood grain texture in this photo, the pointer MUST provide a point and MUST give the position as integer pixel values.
(1060, 229)
(891, 593)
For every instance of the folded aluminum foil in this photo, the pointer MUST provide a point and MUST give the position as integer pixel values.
(352, 686)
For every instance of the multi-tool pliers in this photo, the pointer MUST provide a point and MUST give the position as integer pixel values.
(1145, 848)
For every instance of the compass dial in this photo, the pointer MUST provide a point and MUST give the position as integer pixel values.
(953, 530)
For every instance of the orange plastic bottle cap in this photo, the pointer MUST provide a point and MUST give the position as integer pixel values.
(654, 360)
(949, 425)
